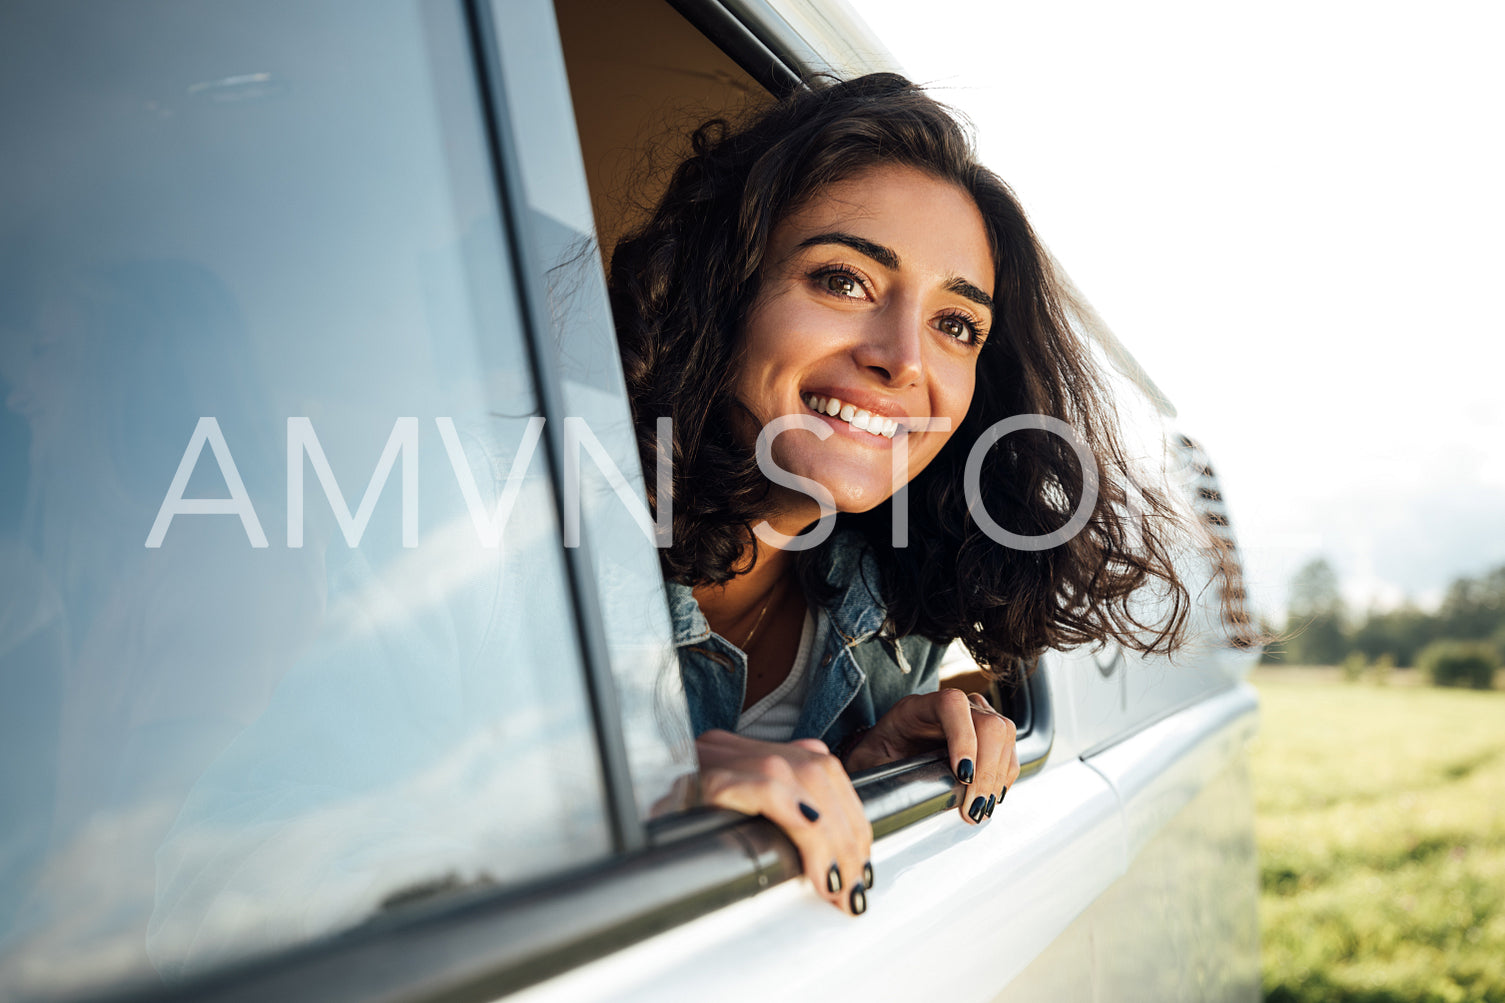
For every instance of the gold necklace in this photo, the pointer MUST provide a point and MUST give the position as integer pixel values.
(756, 624)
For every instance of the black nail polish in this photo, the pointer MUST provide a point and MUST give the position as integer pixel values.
(978, 806)
(964, 771)
(809, 812)
(988, 812)
(833, 879)
(1003, 795)
(858, 899)
(867, 874)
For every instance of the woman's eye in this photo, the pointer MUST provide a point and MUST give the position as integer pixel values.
(842, 284)
(959, 328)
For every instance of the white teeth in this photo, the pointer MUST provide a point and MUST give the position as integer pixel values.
(854, 416)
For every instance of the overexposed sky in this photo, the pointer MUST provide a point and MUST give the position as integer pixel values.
(1293, 214)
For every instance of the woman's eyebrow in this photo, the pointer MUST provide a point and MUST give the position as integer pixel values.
(883, 255)
(966, 289)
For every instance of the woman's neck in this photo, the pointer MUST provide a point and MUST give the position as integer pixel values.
(761, 612)
(736, 608)
(733, 608)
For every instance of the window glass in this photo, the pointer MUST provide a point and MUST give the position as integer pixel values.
(554, 201)
(250, 251)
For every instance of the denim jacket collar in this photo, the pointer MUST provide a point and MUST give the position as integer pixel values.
(715, 670)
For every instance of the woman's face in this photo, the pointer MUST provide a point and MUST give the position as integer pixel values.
(875, 299)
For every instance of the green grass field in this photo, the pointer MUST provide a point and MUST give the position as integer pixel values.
(1381, 828)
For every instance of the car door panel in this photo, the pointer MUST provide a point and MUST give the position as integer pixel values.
(1181, 924)
(958, 910)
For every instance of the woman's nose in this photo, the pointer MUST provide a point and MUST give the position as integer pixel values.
(893, 346)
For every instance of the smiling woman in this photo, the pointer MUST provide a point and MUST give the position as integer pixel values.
(838, 305)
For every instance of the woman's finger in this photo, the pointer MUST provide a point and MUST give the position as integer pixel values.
(848, 829)
(1013, 770)
(812, 745)
(803, 789)
(790, 808)
(953, 712)
(992, 759)
(997, 758)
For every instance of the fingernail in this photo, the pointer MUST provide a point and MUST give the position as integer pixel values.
(867, 874)
(1003, 795)
(809, 812)
(988, 813)
(964, 771)
(858, 899)
(833, 879)
(978, 806)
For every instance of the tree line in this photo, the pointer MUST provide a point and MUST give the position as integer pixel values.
(1319, 630)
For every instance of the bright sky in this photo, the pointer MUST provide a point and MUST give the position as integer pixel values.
(1292, 214)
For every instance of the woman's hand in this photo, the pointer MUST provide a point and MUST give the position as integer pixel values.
(979, 739)
(803, 789)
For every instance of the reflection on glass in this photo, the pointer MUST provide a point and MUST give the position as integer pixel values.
(655, 716)
(211, 748)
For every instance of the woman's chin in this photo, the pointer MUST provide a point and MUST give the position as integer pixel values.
(846, 496)
(855, 497)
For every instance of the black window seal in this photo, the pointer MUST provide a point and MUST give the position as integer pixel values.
(477, 944)
(798, 56)
(749, 33)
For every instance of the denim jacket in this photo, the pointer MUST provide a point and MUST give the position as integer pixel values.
(859, 675)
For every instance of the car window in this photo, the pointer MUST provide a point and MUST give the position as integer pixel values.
(271, 663)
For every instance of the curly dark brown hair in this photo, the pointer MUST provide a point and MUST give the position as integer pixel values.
(682, 285)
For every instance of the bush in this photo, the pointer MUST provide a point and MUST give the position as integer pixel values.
(1383, 669)
(1460, 663)
(1354, 666)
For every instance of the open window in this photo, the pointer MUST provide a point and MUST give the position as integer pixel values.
(642, 75)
